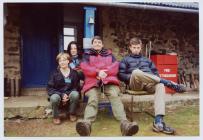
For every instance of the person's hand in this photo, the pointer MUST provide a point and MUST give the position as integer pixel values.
(65, 98)
(102, 74)
(76, 68)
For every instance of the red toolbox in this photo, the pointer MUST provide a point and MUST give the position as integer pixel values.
(167, 66)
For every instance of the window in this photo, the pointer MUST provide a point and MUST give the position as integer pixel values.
(69, 35)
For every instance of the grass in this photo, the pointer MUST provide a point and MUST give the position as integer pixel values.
(184, 119)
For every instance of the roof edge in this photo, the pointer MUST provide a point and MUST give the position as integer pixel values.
(147, 7)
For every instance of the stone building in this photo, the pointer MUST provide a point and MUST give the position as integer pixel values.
(35, 32)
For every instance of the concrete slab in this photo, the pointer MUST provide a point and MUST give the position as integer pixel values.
(36, 106)
(25, 106)
(25, 101)
(146, 102)
(168, 97)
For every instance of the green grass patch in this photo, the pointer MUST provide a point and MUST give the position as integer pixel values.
(184, 119)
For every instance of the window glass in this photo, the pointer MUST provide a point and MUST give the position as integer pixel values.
(69, 34)
(68, 31)
(67, 40)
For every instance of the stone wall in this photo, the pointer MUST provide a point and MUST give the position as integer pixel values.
(12, 43)
(12, 62)
(167, 31)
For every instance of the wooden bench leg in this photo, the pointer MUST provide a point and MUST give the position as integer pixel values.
(131, 118)
(150, 114)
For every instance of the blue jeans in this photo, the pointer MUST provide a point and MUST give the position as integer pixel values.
(55, 101)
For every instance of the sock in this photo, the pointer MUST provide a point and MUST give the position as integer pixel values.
(166, 82)
(158, 118)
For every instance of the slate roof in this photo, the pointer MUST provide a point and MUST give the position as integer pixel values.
(185, 5)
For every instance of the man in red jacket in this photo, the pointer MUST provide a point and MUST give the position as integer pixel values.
(100, 69)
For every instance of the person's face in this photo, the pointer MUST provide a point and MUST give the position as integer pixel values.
(73, 50)
(97, 44)
(63, 62)
(135, 49)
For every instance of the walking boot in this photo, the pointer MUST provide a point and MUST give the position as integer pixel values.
(128, 128)
(162, 127)
(83, 128)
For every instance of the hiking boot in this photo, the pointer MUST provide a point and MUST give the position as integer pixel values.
(128, 128)
(83, 128)
(177, 87)
(161, 127)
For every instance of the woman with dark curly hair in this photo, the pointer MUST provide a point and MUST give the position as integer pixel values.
(74, 51)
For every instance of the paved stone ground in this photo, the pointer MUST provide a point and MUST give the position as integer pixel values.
(38, 106)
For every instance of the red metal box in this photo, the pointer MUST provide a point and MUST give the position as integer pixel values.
(168, 72)
(167, 67)
(164, 59)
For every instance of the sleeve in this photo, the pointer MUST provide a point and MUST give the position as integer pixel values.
(89, 70)
(86, 68)
(85, 58)
(113, 59)
(123, 76)
(51, 87)
(76, 82)
(112, 70)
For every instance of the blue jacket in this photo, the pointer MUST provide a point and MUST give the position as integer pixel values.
(132, 62)
(75, 62)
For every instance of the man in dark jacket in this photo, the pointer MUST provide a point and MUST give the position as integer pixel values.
(100, 69)
(141, 74)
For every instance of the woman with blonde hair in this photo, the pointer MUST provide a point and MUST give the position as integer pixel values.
(63, 88)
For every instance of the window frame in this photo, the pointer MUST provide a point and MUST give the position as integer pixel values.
(74, 36)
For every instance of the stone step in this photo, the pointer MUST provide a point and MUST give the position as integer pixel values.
(25, 106)
(39, 107)
(146, 102)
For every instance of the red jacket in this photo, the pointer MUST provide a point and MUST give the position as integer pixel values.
(93, 62)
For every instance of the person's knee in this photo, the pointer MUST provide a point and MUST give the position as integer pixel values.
(92, 94)
(115, 95)
(137, 72)
(160, 85)
(74, 95)
(114, 91)
(93, 100)
(150, 88)
(55, 98)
